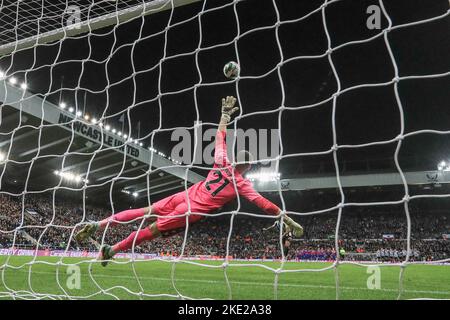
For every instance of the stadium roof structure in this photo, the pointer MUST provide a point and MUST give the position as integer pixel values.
(41, 140)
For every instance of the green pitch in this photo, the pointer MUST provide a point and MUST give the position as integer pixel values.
(247, 282)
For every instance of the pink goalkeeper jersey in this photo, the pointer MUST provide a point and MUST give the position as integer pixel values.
(218, 188)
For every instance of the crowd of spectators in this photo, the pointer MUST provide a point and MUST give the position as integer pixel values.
(366, 233)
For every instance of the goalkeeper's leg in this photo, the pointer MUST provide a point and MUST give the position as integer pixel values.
(167, 225)
(107, 252)
(128, 215)
(162, 208)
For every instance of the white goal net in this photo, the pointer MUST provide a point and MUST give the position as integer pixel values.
(93, 92)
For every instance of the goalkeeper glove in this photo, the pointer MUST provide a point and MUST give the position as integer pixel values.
(294, 227)
(228, 107)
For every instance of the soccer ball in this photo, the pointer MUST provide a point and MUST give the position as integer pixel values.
(231, 70)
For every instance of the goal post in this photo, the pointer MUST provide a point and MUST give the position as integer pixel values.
(89, 25)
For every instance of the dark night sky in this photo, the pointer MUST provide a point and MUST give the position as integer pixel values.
(363, 115)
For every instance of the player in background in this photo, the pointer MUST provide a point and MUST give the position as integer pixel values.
(203, 197)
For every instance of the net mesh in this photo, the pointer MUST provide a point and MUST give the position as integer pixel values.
(21, 21)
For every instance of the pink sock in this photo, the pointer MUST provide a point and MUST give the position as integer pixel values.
(127, 243)
(123, 216)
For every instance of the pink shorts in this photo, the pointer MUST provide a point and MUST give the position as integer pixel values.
(171, 206)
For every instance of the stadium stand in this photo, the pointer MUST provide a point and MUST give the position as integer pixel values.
(366, 234)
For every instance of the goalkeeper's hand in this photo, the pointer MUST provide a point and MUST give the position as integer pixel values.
(292, 226)
(228, 107)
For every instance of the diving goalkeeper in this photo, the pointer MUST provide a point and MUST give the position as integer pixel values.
(203, 197)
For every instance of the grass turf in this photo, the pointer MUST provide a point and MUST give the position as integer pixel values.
(246, 282)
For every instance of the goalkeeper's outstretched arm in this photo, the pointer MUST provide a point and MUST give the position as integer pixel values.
(220, 153)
